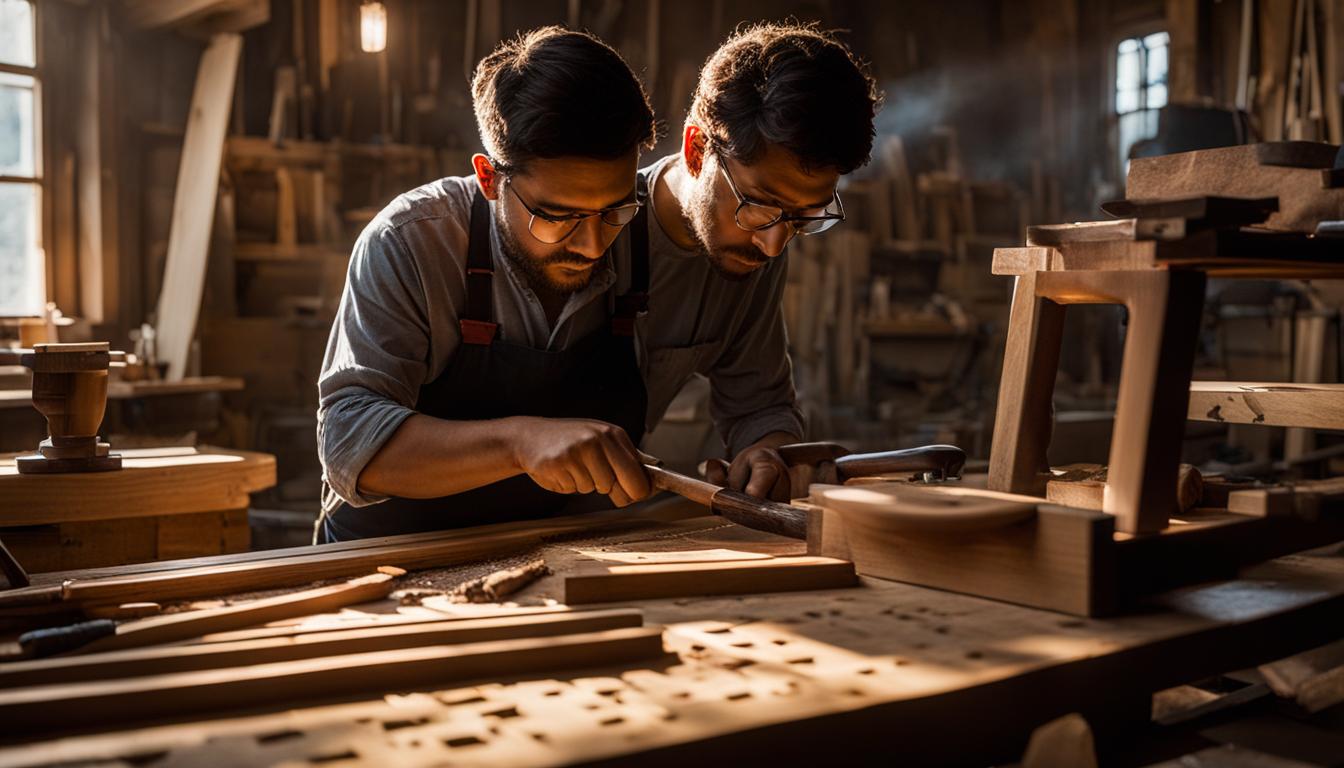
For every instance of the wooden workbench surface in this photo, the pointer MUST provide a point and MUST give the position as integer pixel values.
(152, 482)
(912, 673)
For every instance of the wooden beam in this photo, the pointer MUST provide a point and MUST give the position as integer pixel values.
(264, 574)
(600, 583)
(1272, 404)
(139, 662)
(194, 201)
(183, 626)
(111, 703)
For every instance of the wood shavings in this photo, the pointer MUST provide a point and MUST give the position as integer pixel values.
(494, 587)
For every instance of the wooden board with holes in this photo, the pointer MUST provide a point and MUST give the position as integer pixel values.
(140, 662)
(597, 582)
(106, 702)
(780, 678)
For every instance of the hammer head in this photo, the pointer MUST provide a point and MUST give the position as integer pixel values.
(833, 464)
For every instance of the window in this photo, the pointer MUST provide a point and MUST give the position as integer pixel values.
(22, 268)
(1140, 88)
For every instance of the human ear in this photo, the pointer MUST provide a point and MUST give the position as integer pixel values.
(693, 149)
(486, 176)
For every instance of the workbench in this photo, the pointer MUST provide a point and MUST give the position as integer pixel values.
(884, 672)
(164, 503)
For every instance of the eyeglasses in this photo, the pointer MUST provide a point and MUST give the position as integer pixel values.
(552, 229)
(754, 217)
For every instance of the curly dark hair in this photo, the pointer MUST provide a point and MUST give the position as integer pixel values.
(553, 92)
(792, 85)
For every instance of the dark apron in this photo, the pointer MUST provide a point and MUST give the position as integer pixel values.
(488, 378)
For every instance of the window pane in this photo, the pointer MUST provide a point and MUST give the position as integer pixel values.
(1127, 46)
(1126, 101)
(1157, 65)
(1157, 96)
(22, 276)
(1156, 40)
(16, 33)
(1127, 71)
(16, 125)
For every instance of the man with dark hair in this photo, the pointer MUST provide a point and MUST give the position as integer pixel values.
(781, 112)
(482, 364)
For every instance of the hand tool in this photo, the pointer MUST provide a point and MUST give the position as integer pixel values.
(834, 464)
(768, 516)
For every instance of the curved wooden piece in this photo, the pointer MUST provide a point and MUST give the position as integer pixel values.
(915, 509)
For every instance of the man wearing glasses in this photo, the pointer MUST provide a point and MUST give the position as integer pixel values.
(482, 364)
(780, 113)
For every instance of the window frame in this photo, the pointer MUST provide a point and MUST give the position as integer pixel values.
(38, 179)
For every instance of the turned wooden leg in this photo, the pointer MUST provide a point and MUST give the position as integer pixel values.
(1017, 461)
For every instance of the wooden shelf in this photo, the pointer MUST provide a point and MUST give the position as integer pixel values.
(1319, 406)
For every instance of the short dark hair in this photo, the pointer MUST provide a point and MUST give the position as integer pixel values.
(553, 92)
(792, 85)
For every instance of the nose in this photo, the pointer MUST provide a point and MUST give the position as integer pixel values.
(771, 241)
(588, 239)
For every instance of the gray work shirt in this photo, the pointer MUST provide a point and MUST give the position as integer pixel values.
(397, 328)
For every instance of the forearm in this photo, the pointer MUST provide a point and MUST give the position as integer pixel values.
(428, 457)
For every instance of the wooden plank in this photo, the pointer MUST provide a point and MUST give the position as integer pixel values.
(1272, 404)
(182, 626)
(597, 583)
(265, 574)
(194, 202)
(151, 483)
(1125, 230)
(318, 624)
(105, 704)
(605, 519)
(139, 662)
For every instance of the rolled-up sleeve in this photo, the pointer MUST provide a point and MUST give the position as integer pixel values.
(375, 363)
(751, 384)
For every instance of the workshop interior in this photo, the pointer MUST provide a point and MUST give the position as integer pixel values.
(631, 382)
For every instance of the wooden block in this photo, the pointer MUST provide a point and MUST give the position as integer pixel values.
(596, 583)
(1084, 486)
(1059, 560)
(182, 626)
(139, 662)
(1242, 171)
(112, 703)
(1262, 502)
